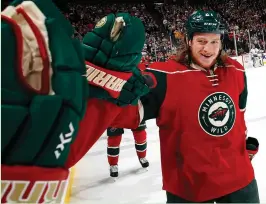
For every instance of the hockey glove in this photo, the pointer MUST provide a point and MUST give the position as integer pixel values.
(112, 53)
(43, 100)
(252, 146)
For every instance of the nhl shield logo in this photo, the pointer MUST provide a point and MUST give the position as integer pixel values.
(217, 114)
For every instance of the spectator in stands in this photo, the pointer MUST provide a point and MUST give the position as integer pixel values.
(159, 44)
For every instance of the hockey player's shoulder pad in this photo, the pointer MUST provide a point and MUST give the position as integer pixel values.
(168, 67)
(229, 62)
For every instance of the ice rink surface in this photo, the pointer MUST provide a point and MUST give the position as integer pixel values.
(92, 184)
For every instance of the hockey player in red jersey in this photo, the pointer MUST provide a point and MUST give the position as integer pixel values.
(199, 104)
(113, 146)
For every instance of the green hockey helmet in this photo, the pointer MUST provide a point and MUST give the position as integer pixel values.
(204, 22)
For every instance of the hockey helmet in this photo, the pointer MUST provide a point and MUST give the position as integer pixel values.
(204, 22)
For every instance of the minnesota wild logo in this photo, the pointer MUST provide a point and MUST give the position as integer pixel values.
(217, 114)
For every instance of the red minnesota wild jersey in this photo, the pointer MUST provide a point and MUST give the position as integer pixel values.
(200, 115)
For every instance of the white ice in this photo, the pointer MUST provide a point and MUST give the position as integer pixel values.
(93, 185)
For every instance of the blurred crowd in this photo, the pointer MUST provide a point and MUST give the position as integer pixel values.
(164, 23)
(245, 19)
(84, 17)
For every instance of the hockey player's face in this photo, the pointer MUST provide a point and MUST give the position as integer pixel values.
(205, 48)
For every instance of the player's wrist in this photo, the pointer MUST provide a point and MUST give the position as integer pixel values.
(121, 88)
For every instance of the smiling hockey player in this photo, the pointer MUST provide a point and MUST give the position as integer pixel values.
(199, 103)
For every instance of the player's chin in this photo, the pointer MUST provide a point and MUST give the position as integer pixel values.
(206, 64)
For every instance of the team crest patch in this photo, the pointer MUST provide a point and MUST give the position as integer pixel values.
(101, 22)
(217, 114)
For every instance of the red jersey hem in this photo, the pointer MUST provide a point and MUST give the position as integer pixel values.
(216, 196)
